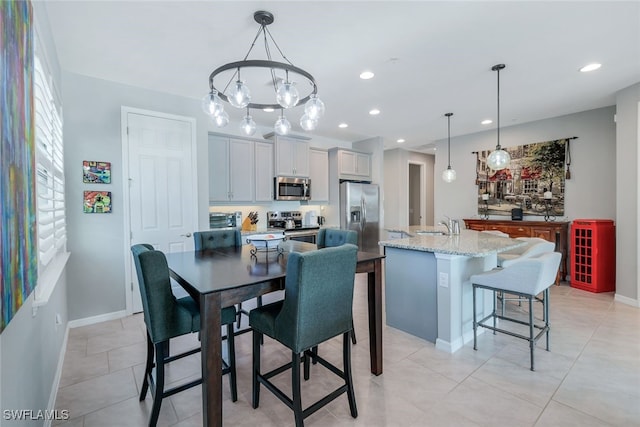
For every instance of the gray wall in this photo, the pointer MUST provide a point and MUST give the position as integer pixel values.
(92, 132)
(31, 345)
(603, 180)
(627, 193)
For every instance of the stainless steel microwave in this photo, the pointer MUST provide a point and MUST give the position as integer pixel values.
(289, 188)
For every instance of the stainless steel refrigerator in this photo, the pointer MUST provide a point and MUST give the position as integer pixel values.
(360, 211)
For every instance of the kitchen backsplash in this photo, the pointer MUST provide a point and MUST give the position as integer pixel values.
(321, 210)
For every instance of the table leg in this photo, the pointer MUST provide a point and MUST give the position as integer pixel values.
(375, 316)
(211, 344)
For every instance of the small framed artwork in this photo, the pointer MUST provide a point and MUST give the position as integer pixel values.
(96, 172)
(97, 202)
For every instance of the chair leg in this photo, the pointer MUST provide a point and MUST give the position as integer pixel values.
(239, 311)
(255, 389)
(295, 389)
(161, 354)
(495, 300)
(346, 360)
(305, 361)
(545, 310)
(231, 350)
(147, 369)
(532, 342)
(353, 333)
(475, 322)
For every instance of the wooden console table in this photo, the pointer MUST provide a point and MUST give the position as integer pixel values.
(556, 232)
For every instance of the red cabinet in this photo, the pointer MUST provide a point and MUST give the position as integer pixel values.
(593, 255)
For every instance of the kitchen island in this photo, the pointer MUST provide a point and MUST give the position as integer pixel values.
(427, 289)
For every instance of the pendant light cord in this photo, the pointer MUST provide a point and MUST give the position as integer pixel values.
(449, 141)
(498, 120)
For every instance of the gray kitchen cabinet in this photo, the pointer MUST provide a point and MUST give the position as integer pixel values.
(231, 169)
(319, 175)
(264, 171)
(352, 165)
(291, 156)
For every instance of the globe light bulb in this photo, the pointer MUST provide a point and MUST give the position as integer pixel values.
(498, 159)
(314, 107)
(287, 95)
(307, 123)
(222, 119)
(240, 95)
(282, 126)
(212, 104)
(449, 175)
(248, 126)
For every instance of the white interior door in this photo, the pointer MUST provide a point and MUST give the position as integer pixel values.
(162, 201)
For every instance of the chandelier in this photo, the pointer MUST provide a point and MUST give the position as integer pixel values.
(275, 86)
(498, 159)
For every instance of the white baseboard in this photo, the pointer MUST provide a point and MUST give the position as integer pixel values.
(626, 300)
(56, 379)
(97, 319)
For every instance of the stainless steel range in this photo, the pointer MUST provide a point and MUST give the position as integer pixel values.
(291, 223)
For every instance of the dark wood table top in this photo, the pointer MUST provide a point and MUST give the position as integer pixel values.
(217, 270)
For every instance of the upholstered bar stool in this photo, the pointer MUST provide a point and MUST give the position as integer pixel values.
(213, 239)
(166, 317)
(315, 280)
(330, 237)
(526, 278)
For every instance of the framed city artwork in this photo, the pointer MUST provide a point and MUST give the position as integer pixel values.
(533, 182)
(94, 172)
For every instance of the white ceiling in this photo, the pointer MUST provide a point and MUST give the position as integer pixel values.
(429, 57)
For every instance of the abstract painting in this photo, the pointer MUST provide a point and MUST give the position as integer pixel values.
(533, 182)
(96, 172)
(97, 202)
(18, 244)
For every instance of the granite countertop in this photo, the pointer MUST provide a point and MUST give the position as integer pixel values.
(469, 243)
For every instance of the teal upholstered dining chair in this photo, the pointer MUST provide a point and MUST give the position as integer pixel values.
(315, 280)
(166, 317)
(212, 239)
(328, 237)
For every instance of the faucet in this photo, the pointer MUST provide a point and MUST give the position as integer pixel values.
(452, 225)
(447, 224)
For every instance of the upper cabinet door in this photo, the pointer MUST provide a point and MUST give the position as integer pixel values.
(319, 174)
(218, 169)
(264, 171)
(353, 165)
(241, 170)
(231, 169)
(292, 157)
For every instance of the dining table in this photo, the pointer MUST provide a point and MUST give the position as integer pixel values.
(222, 277)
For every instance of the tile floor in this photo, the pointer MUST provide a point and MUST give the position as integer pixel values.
(591, 376)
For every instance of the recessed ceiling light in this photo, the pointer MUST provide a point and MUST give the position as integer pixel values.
(590, 67)
(268, 110)
(366, 75)
(374, 112)
(343, 125)
(486, 122)
(400, 141)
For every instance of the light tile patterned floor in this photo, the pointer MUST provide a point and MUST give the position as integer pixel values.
(591, 376)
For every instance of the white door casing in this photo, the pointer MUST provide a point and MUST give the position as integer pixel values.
(160, 200)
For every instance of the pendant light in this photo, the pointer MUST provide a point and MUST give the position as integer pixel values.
(449, 175)
(498, 159)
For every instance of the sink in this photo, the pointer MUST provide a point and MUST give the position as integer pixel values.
(430, 233)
